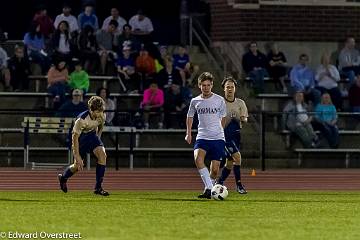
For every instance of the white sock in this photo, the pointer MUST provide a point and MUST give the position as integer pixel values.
(205, 177)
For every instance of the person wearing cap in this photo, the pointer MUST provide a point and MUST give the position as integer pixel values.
(79, 78)
(66, 16)
(74, 106)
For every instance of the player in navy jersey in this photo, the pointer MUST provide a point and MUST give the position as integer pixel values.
(210, 140)
(85, 136)
(237, 114)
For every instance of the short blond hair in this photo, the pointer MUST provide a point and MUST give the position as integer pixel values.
(96, 103)
(205, 76)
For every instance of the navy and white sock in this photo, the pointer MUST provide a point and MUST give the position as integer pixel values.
(237, 174)
(224, 175)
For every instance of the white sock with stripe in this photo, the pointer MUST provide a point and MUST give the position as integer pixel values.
(205, 177)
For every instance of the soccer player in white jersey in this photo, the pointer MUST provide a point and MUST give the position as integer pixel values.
(237, 114)
(85, 137)
(210, 140)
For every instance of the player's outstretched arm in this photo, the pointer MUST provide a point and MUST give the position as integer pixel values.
(75, 146)
(189, 122)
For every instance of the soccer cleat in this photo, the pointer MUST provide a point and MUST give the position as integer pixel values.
(62, 182)
(101, 192)
(240, 189)
(205, 194)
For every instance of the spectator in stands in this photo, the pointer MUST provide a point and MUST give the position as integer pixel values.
(181, 61)
(35, 44)
(349, 60)
(114, 15)
(142, 27)
(254, 64)
(153, 101)
(88, 17)
(4, 70)
(297, 120)
(107, 43)
(88, 49)
(145, 65)
(62, 42)
(325, 120)
(354, 95)
(45, 22)
(79, 79)
(58, 77)
(126, 71)
(70, 19)
(302, 79)
(75, 106)
(277, 66)
(327, 77)
(110, 107)
(169, 75)
(19, 68)
(177, 100)
(127, 39)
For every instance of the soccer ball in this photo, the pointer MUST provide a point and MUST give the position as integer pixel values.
(219, 192)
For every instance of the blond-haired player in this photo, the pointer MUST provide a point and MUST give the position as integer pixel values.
(85, 138)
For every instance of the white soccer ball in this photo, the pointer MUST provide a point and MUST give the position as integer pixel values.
(219, 192)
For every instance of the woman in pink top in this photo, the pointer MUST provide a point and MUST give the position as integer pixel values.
(153, 100)
(58, 77)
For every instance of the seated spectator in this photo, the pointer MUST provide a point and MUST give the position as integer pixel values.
(128, 40)
(88, 49)
(181, 61)
(114, 15)
(4, 70)
(354, 95)
(297, 120)
(58, 77)
(19, 68)
(107, 43)
(153, 101)
(75, 106)
(110, 107)
(79, 79)
(254, 64)
(177, 100)
(325, 120)
(62, 43)
(349, 60)
(145, 65)
(126, 70)
(302, 80)
(142, 27)
(46, 23)
(35, 44)
(169, 75)
(277, 66)
(70, 19)
(88, 17)
(327, 77)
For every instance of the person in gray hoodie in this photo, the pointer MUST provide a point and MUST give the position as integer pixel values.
(298, 121)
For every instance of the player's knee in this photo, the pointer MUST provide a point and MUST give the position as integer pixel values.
(73, 168)
(102, 159)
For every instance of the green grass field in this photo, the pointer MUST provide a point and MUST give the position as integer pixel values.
(179, 215)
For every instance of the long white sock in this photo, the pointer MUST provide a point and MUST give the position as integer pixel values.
(205, 177)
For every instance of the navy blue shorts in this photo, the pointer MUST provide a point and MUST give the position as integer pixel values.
(232, 145)
(214, 148)
(88, 142)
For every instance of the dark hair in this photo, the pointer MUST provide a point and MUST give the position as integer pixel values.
(114, 23)
(32, 30)
(127, 25)
(228, 79)
(205, 76)
(98, 91)
(58, 33)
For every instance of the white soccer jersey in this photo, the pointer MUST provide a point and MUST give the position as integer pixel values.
(85, 124)
(210, 111)
(235, 110)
